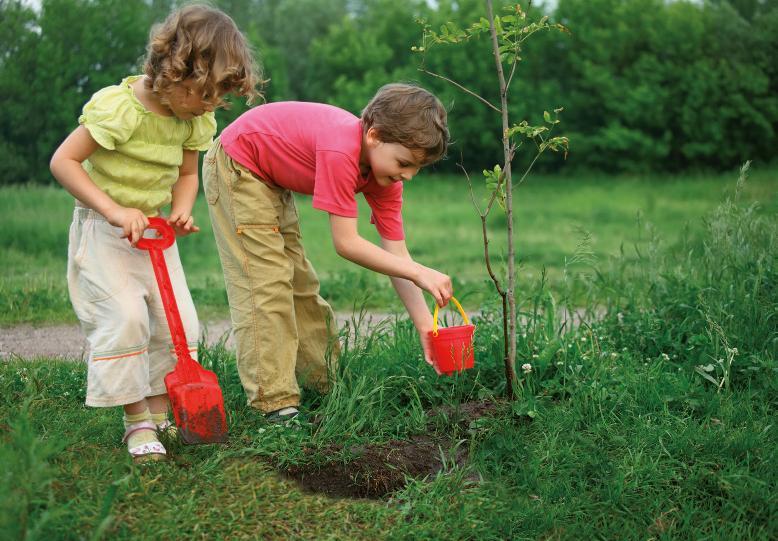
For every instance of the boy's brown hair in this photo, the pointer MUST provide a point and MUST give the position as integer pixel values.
(201, 43)
(410, 116)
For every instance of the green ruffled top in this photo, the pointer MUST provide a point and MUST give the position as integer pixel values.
(140, 152)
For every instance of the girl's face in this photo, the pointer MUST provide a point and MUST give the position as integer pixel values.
(185, 101)
(390, 162)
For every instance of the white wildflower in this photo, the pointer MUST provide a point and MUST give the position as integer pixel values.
(527, 368)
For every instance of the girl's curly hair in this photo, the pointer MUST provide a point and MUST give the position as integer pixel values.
(201, 43)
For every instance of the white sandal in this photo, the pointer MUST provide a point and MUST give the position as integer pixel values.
(168, 428)
(148, 451)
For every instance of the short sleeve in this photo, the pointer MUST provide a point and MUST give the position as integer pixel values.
(335, 184)
(203, 130)
(386, 206)
(110, 116)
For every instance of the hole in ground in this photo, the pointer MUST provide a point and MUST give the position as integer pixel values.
(377, 470)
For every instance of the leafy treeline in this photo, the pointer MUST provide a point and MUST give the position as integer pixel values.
(646, 84)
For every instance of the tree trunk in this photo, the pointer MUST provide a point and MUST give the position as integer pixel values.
(509, 321)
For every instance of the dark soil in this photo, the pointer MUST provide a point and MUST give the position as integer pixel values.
(463, 415)
(376, 470)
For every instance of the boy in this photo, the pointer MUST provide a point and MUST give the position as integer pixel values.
(282, 326)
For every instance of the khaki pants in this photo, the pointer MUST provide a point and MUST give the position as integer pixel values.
(117, 300)
(283, 329)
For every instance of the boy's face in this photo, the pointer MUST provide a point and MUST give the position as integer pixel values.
(390, 162)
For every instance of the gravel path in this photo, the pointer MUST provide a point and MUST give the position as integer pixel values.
(66, 341)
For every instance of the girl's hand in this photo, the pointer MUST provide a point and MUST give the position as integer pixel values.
(132, 221)
(182, 224)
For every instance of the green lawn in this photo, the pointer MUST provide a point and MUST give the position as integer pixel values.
(653, 420)
(554, 214)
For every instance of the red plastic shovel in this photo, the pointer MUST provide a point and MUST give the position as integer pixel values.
(195, 395)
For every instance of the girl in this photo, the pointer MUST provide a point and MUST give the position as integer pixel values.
(135, 151)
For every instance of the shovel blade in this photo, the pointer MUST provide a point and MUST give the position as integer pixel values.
(198, 408)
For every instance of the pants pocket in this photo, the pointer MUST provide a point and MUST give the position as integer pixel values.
(102, 269)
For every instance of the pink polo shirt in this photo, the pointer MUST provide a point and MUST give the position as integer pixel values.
(313, 148)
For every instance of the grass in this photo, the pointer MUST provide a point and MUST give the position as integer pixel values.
(654, 420)
(556, 217)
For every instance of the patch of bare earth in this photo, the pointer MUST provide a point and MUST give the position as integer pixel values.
(377, 470)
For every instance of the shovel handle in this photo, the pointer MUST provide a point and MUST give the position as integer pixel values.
(155, 248)
(165, 240)
(435, 316)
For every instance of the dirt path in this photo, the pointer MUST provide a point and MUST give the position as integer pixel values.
(66, 341)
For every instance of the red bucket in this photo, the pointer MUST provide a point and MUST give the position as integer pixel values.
(452, 347)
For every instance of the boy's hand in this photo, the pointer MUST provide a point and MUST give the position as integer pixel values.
(437, 283)
(426, 346)
(182, 224)
(132, 221)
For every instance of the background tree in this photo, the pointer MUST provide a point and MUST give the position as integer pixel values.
(56, 59)
(648, 85)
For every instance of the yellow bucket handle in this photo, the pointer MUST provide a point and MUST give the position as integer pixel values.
(435, 316)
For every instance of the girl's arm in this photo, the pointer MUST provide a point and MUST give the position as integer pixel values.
(184, 195)
(66, 167)
(349, 245)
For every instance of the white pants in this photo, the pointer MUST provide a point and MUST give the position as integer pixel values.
(116, 298)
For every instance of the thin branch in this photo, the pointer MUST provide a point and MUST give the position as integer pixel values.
(535, 158)
(485, 234)
(489, 261)
(499, 183)
(529, 168)
(510, 77)
(470, 185)
(459, 86)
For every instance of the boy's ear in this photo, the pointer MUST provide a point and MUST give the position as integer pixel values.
(372, 137)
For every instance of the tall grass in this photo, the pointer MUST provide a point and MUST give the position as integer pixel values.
(27, 504)
(712, 302)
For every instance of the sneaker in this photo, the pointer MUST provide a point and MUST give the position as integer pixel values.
(282, 416)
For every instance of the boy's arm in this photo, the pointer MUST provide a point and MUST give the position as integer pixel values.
(184, 195)
(412, 297)
(66, 167)
(351, 246)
